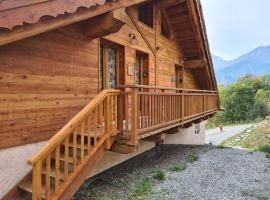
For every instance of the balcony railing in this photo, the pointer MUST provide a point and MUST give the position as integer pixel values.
(147, 108)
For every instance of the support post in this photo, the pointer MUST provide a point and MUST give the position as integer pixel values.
(36, 180)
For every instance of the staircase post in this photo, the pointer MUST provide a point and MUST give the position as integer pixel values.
(36, 181)
(134, 117)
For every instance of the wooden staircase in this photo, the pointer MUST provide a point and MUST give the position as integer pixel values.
(62, 165)
(26, 187)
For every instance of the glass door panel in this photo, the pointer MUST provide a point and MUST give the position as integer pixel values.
(111, 67)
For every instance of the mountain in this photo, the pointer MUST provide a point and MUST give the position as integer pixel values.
(256, 62)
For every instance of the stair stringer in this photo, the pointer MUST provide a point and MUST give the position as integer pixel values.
(83, 174)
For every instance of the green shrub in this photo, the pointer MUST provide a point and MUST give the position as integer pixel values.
(193, 157)
(265, 148)
(160, 175)
(177, 168)
(142, 189)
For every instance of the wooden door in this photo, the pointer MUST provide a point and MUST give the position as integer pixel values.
(108, 66)
(142, 69)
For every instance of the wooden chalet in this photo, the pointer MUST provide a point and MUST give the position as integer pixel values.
(92, 76)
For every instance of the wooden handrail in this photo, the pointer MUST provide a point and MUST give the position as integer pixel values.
(58, 137)
(163, 88)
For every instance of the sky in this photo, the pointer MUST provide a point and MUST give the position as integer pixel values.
(235, 27)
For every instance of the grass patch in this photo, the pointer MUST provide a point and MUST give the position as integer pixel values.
(193, 157)
(258, 139)
(262, 198)
(160, 175)
(104, 198)
(248, 193)
(221, 146)
(178, 168)
(143, 189)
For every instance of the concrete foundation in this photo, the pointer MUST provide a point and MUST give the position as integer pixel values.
(194, 135)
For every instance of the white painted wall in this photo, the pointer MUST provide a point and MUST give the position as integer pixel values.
(187, 136)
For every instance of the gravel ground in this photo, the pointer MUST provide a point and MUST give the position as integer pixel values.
(218, 174)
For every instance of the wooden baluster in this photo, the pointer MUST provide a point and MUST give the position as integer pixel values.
(139, 111)
(108, 122)
(182, 107)
(116, 112)
(172, 108)
(146, 110)
(37, 179)
(151, 110)
(74, 163)
(111, 113)
(82, 141)
(134, 111)
(95, 128)
(159, 109)
(89, 133)
(48, 178)
(66, 158)
(126, 112)
(142, 111)
(57, 169)
(156, 109)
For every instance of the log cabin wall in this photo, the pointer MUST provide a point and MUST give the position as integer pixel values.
(45, 80)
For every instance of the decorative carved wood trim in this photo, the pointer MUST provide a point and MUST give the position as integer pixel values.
(21, 32)
(20, 12)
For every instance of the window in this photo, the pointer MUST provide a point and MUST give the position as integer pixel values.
(146, 14)
(165, 29)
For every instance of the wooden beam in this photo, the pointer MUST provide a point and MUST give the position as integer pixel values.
(195, 64)
(130, 13)
(42, 26)
(105, 24)
(158, 138)
(168, 3)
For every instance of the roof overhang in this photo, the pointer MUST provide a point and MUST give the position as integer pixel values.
(54, 14)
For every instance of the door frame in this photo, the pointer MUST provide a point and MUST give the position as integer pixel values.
(106, 44)
(144, 64)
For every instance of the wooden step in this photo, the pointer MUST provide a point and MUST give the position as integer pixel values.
(52, 174)
(27, 187)
(122, 148)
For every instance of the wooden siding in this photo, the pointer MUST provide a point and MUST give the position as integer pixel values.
(44, 82)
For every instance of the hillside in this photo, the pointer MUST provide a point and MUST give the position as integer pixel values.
(256, 62)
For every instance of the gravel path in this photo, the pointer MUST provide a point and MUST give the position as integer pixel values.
(216, 137)
(221, 174)
(228, 174)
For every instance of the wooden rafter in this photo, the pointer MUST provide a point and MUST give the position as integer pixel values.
(195, 63)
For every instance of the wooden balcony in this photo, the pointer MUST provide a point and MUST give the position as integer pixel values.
(147, 110)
